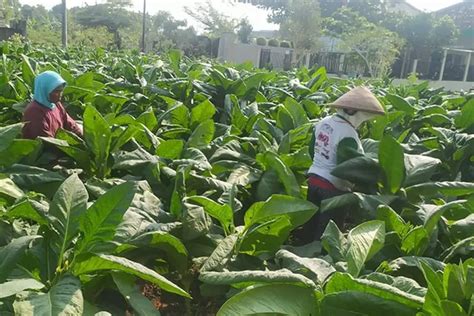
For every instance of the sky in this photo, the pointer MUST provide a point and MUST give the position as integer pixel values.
(257, 17)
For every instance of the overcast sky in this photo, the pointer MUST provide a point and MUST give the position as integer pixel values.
(237, 10)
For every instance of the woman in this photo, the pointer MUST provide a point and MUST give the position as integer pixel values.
(45, 114)
(335, 140)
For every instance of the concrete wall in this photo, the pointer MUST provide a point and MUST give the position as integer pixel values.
(448, 85)
(236, 52)
(232, 51)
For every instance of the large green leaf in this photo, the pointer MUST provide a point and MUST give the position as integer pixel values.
(297, 210)
(18, 149)
(12, 253)
(9, 189)
(100, 221)
(296, 111)
(434, 214)
(68, 205)
(250, 277)
(8, 134)
(202, 135)
(361, 170)
(340, 282)
(416, 241)
(334, 242)
(392, 161)
(313, 268)
(64, 298)
(175, 250)
(130, 291)
(363, 201)
(285, 174)
(223, 252)
(202, 112)
(393, 221)
(447, 188)
(420, 168)
(103, 262)
(98, 137)
(400, 104)
(363, 242)
(223, 213)
(272, 299)
(19, 285)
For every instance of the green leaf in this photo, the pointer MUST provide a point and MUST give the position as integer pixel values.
(285, 174)
(392, 161)
(12, 253)
(170, 149)
(447, 188)
(9, 189)
(19, 285)
(26, 210)
(334, 242)
(18, 149)
(359, 170)
(98, 138)
(393, 221)
(100, 221)
(435, 213)
(297, 210)
(462, 228)
(8, 134)
(363, 242)
(103, 262)
(452, 308)
(223, 252)
(223, 213)
(340, 282)
(400, 104)
(64, 298)
(467, 113)
(352, 303)
(28, 74)
(296, 111)
(464, 247)
(415, 242)
(250, 277)
(420, 168)
(435, 290)
(148, 119)
(313, 268)
(202, 112)
(202, 135)
(271, 299)
(175, 250)
(130, 291)
(68, 205)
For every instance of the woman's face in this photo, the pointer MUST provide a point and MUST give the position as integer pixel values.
(55, 96)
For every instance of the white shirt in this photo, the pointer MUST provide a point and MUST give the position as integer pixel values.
(328, 133)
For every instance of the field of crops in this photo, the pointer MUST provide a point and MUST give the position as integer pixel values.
(185, 193)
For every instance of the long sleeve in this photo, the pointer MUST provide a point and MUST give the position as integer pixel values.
(70, 124)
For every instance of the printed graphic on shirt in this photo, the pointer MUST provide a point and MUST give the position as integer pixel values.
(323, 140)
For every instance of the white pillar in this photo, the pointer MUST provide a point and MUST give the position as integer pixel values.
(415, 65)
(441, 73)
(468, 64)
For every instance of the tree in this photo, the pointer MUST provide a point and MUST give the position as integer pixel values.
(376, 46)
(215, 23)
(302, 24)
(244, 31)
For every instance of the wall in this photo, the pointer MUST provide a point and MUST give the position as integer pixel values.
(448, 85)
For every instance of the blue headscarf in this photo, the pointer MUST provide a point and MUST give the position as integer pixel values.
(45, 83)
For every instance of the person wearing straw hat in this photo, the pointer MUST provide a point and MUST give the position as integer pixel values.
(335, 140)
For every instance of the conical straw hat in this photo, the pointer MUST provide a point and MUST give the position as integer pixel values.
(359, 99)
